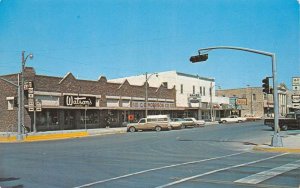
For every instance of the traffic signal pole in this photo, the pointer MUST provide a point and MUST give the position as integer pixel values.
(276, 139)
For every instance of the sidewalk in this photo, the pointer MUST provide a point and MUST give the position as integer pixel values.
(291, 143)
(57, 135)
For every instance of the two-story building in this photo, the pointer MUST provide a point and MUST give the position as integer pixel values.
(194, 94)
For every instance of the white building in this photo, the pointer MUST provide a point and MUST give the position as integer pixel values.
(192, 92)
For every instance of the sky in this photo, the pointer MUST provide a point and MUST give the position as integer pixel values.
(120, 38)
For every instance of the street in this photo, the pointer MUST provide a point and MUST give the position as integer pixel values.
(212, 156)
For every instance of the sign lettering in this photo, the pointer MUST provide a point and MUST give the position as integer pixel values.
(79, 101)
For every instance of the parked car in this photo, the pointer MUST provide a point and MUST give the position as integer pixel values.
(183, 122)
(155, 122)
(232, 119)
(197, 123)
(252, 117)
(290, 121)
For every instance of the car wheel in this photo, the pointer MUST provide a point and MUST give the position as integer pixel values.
(132, 129)
(284, 128)
(158, 128)
(223, 121)
(239, 121)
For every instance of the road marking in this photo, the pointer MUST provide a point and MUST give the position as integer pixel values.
(154, 169)
(218, 170)
(262, 176)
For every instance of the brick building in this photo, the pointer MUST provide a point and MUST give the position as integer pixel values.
(59, 103)
(251, 101)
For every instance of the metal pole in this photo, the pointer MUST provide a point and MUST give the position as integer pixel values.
(22, 92)
(251, 102)
(34, 121)
(85, 116)
(211, 108)
(19, 135)
(146, 96)
(276, 139)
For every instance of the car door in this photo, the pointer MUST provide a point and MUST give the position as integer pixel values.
(142, 124)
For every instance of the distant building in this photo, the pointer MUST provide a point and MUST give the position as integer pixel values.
(251, 101)
(195, 94)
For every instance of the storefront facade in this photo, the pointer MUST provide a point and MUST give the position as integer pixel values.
(56, 103)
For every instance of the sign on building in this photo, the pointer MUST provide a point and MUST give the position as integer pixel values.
(296, 83)
(241, 101)
(80, 101)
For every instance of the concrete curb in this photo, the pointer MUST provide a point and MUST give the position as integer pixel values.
(276, 149)
(59, 135)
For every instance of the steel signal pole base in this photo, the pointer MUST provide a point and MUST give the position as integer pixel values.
(276, 141)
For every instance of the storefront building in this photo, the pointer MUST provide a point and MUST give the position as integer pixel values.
(194, 94)
(61, 103)
(251, 101)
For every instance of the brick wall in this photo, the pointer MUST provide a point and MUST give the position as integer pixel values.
(257, 101)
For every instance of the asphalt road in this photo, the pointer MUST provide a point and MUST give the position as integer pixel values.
(213, 156)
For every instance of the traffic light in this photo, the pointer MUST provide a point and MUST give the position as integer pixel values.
(198, 58)
(266, 86)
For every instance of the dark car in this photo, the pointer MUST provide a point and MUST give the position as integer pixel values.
(290, 121)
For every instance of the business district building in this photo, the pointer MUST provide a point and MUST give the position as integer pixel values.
(61, 103)
(64, 103)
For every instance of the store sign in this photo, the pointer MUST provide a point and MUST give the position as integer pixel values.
(295, 98)
(153, 105)
(241, 101)
(70, 100)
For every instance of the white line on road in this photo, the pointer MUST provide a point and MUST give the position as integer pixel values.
(218, 170)
(262, 176)
(159, 168)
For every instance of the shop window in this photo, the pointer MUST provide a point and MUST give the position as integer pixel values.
(47, 117)
(89, 117)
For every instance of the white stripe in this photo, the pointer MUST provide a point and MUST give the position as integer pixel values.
(214, 171)
(159, 168)
(262, 176)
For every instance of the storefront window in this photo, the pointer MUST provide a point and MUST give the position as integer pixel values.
(47, 117)
(89, 117)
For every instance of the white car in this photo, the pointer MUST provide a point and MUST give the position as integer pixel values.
(232, 119)
(197, 123)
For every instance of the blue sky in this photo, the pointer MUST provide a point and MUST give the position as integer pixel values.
(118, 38)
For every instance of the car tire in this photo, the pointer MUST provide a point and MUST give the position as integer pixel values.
(284, 128)
(157, 128)
(132, 129)
(224, 121)
(182, 126)
(239, 121)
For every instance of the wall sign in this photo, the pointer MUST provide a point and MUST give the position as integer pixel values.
(82, 101)
(153, 105)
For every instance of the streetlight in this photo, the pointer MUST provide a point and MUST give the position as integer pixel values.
(22, 106)
(276, 139)
(146, 92)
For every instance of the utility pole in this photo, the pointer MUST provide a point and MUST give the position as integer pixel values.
(21, 104)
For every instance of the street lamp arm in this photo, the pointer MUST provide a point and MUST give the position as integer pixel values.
(237, 48)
